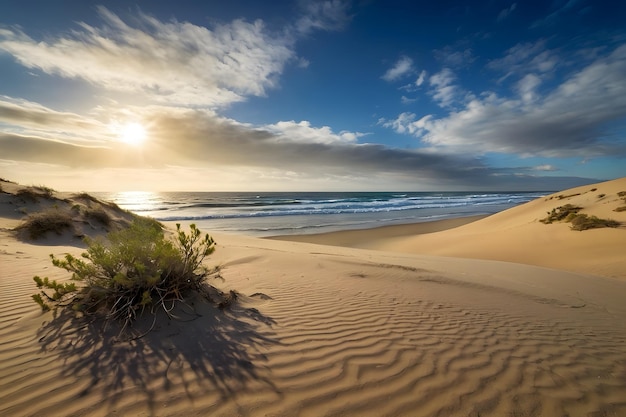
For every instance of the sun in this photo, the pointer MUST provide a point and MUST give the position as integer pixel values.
(132, 134)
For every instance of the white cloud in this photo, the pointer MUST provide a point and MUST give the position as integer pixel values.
(405, 123)
(303, 132)
(401, 68)
(527, 86)
(421, 78)
(546, 167)
(444, 92)
(173, 62)
(569, 121)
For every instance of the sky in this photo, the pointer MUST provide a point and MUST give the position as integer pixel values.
(333, 95)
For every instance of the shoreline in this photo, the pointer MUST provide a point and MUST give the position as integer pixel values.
(369, 238)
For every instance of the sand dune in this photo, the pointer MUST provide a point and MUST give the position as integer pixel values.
(514, 235)
(329, 331)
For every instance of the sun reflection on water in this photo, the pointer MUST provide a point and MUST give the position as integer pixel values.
(137, 201)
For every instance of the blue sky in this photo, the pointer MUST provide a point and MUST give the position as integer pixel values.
(312, 95)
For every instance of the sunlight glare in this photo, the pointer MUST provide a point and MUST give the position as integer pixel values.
(133, 134)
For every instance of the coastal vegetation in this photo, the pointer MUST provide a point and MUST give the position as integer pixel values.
(580, 221)
(622, 195)
(561, 213)
(39, 224)
(133, 271)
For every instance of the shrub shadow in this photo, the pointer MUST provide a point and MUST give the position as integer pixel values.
(204, 350)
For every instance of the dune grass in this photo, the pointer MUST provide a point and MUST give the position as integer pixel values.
(38, 225)
(99, 215)
(580, 221)
(561, 213)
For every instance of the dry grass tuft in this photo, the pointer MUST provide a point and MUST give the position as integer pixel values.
(37, 225)
(561, 213)
(582, 222)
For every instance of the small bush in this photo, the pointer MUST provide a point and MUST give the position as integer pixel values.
(137, 269)
(560, 213)
(583, 222)
(601, 195)
(38, 224)
(622, 194)
(620, 208)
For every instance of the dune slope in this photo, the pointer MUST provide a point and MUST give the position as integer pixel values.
(515, 235)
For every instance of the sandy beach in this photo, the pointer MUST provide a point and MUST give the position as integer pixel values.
(495, 316)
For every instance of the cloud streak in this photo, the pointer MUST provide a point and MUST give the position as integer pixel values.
(402, 68)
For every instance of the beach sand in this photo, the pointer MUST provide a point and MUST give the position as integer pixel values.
(393, 329)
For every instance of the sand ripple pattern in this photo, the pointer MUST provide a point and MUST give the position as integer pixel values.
(356, 354)
(369, 341)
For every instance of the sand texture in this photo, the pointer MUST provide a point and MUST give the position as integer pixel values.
(327, 331)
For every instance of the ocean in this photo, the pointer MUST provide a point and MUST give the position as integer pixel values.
(281, 213)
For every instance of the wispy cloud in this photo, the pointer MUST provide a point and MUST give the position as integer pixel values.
(524, 58)
(506, 12)
(27, 118)
(444, 91)
(174, 62)
(402, 68)
(323, 15)
(560, 8)
(527, 87)
(421, 78)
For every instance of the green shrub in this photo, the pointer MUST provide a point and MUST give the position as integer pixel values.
(583, 222)
(135, 270)
(38, 224)
(561, 213)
